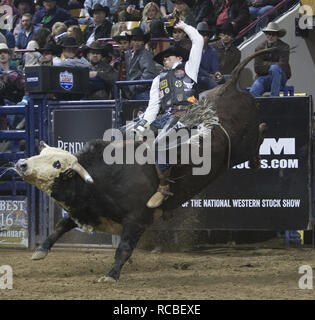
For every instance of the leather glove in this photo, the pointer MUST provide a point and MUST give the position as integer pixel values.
(140, 128)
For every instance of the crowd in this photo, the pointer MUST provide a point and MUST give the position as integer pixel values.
(51, 36)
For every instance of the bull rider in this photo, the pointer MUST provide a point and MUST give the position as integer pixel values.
(172, 91)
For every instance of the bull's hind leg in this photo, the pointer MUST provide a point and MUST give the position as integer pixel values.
(63, 226)
(131, 234)
(254, 162)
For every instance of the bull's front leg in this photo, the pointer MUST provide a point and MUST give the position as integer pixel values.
(131, 234)
(64, 225)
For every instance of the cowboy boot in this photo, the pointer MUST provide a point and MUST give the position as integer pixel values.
(163, 191)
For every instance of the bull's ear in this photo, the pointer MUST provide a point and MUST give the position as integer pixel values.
(42, 145)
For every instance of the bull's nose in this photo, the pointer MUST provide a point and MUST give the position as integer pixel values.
(21, 165)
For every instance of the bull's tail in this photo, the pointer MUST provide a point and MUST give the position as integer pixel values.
(237, 70)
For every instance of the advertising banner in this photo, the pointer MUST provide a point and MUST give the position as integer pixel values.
(276, 197)
(13, 221)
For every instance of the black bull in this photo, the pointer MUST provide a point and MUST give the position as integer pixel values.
(117, 197)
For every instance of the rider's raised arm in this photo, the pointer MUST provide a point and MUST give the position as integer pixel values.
(193, 63)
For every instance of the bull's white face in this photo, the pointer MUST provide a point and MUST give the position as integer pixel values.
(41, 170)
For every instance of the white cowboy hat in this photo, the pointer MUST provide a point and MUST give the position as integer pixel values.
(274, 27)
(4, 47)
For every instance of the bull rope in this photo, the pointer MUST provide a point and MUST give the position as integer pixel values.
(204, 113)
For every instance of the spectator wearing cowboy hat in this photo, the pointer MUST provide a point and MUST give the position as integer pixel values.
(48, 52)
(113, 6)
(139, 64)
(124, 45)
(209, 65)
(69, 56)
(102, 74)
(229, 55)
(51, 13)
(273, 69)
(172, 91)
(101, 28)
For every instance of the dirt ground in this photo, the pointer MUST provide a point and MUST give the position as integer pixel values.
(255, 271)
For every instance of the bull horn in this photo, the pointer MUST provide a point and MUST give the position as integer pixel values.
(82, 173)
(42, 145)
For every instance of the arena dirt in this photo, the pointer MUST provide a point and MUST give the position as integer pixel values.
(256, 271)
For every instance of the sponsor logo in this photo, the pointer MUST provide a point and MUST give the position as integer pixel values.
(163, 84)
(275, 147)
(66, 80)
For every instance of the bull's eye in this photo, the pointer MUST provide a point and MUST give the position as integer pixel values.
(57, 164)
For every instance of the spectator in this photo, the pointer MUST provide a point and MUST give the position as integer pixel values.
(40, 38)
(273, 69)
(70, 56)
(118, 28)
(203, 11)
(150, 12)
(134, 10)
(259, 7)
(12, 83)
(58, 28)
(12, 86)
(183, 11)
(181, 39)
(76, 33)
(124, 45)
(166, 7)
(102, 74)
(157, 31)
(113, 6)
(27, 32)
(49, 52)
(233, 11)
(229, 54)
(50, 13)
(23, 6)
(74, 4)
(9, 37)
(209, 65)
(139, 64)
(101, 28)
(59, 31)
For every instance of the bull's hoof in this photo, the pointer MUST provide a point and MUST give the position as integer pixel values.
(39, 254)
(107, 279)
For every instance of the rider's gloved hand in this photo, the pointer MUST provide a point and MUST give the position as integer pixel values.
(140, 128)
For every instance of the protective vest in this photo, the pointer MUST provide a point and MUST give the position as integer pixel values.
(175, 87)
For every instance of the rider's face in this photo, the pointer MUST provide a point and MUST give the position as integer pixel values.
(169, 61)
